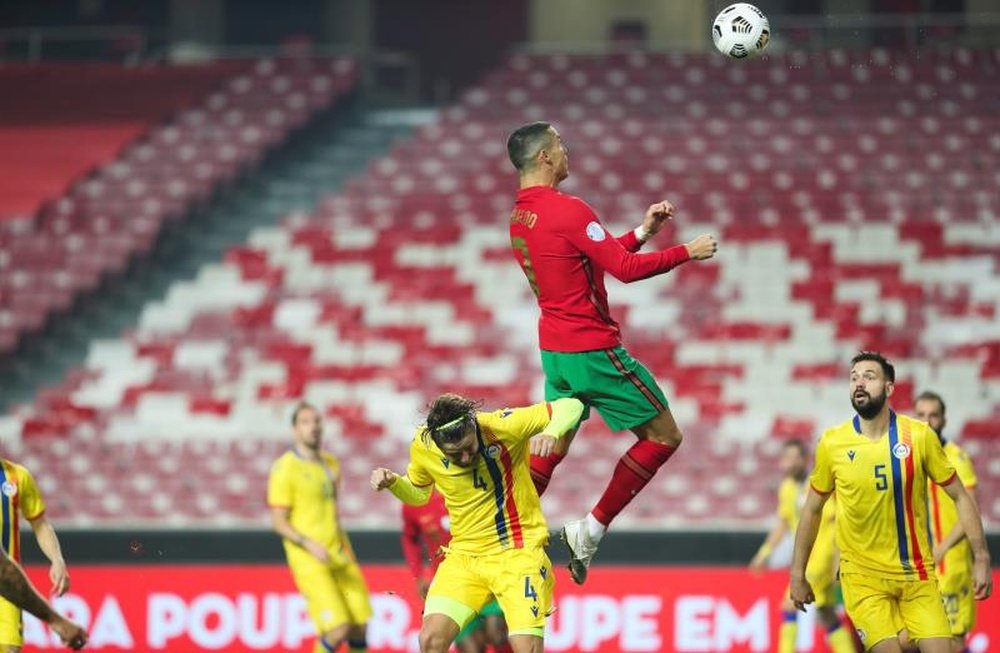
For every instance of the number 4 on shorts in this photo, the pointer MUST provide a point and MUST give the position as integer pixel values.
(529, 589)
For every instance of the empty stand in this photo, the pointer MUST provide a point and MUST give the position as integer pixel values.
(222, 122)
(856, 196)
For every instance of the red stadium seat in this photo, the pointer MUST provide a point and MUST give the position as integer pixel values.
(839, 232)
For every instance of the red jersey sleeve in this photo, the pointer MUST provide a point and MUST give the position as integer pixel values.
(584, 230)
(412, 546)
(629, 241)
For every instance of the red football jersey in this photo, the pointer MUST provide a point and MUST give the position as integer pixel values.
(425, 528)
(564, 251)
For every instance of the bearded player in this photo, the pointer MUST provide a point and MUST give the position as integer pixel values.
(564, 250)
(878, 465)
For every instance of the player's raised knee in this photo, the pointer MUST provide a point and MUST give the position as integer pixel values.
(667, 433)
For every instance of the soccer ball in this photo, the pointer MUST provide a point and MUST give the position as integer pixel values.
(740, 31)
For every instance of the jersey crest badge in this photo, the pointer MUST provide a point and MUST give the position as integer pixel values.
(901, 450)
(9, 489)
(595, 232)
(493, 451)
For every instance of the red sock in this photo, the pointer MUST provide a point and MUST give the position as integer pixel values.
(502, 648)
(636, 468)
(542, 468)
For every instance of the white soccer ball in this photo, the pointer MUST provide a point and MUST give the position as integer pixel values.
(741, 30)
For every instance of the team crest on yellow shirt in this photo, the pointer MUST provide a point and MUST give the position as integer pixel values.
(901, 450)
(493, 451)
(862, 635)
(9, 489)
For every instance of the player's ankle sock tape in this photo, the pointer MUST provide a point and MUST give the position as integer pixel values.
(542, 468)
(634, 470)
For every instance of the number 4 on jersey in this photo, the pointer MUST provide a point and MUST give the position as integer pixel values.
(478, 481)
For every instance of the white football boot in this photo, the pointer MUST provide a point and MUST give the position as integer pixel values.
(582, 548)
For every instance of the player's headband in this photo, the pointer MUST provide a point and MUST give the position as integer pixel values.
(450, 431)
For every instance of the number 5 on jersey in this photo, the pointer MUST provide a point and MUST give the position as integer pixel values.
(881, 480)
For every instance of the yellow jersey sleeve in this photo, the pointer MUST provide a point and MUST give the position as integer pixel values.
(963, 466)
(416, 470)
(936, 464)
(279, 485)
(519, 423)
(29, 497)
(822, 479)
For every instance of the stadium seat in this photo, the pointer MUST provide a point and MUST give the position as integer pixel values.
(838, 232)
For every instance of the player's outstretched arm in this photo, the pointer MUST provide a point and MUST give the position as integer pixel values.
(972, 524)
(401, 487)
(805, 537)
(566, 414)
(16, 588)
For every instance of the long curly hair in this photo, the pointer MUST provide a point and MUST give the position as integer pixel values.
(448, 416)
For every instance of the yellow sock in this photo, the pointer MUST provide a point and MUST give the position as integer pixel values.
(840, 641)
(788, 632)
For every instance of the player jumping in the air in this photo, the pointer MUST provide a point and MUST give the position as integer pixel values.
(302, 494)
(426, 533)
(564, 251)
(952, 553)
(479, 463)
(878, 466)
(821, 570)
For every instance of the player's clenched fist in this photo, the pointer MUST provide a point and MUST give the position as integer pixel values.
(382, 478)
(800, 592)
(71, 634)
(703, 247)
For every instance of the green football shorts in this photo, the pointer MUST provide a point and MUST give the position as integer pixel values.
(618, 386)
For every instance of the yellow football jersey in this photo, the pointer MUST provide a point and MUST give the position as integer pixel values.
(881, 491)
(492, 505)
(308, 488)
(791, 497)
(20, 496)
(944, 515)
